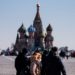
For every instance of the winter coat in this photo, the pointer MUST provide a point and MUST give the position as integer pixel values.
(35, 68)
(22, 65)
(54, 65)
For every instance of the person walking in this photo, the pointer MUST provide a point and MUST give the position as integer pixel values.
(22, 63)
(43, 62)
(54, 64)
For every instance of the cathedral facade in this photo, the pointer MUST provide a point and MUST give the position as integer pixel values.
(35, 38)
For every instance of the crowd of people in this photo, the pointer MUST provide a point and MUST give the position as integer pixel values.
(39, 63)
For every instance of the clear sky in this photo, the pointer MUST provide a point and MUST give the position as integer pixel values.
(59, 13)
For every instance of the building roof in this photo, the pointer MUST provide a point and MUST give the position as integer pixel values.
(49, 28)
(31, 28)
(22, 29)
(37, 17)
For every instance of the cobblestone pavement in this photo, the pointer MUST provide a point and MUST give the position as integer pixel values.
(7, 65)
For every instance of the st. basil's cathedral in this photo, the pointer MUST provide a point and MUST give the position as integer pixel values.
(35, 38)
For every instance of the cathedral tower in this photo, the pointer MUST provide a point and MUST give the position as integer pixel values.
(21, 40)
(37, 23)
(49, 38)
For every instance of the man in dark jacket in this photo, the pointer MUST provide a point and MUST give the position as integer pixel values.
(44, 59)
(22, 63)
(54, 65)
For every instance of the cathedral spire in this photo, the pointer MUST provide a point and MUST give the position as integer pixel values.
(38, 7)
(37, 23)
(37, 17)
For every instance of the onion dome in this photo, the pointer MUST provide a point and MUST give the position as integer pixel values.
(22, 29)
(49, 28)
(31, 29)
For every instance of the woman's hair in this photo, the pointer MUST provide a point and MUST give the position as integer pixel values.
(36, 56)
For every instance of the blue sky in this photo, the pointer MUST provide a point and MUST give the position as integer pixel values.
(59, 13)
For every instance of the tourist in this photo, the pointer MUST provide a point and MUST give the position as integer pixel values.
(43, 62)
(22, 63)
(35, 67)
(54, 65)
